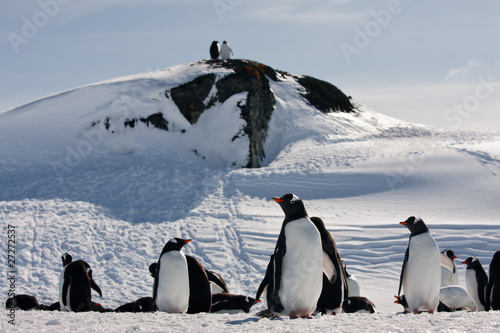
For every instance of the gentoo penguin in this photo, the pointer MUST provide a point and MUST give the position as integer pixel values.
(217, 283)
(493, 289)
(200, 294)
(214, 50)
(230, 302)
(456, 298)
(449, 276)
(75, 287)
(266, 287)
(358, 304)
(298, 261)
(352, 284)
(476, 282)
(66, 260)
(171, 285)
(25, 302)
(421, 271)
(334, 278)
(143, 304)
(225, 51)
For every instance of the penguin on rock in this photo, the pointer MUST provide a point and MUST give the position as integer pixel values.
(476, 281)
(171, 280)
(421, 272)
(335, 287)
(214, 50)
(75, 285)
(493, 289)
(225, 51)
(298, 263)
(449, 276)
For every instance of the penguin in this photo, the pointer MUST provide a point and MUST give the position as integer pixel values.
(456, 298)
(358, 304)
(144, 304)
(152, 269)
(298, 262)
(25, 302)
(200, 293)
(230, 302)
(171, 283)
(66, 260)
(449, 276)
(493, 289)
(214, 50)
(335, 287)
(217, 283)
(75, 287)
(225, 51)
(352, 284)
(476, 281)
(421, 270)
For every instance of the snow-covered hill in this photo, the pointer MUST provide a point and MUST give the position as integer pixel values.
(72, 181)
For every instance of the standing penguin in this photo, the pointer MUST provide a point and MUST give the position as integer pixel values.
(66, 260)
(335, 288)
(214, 50)
(449, 276)
(75, 287)
(225, 51)
(171, 285)
(298, 262)
(200, 293)
(476, 282)
(421, 271)
(493, 289)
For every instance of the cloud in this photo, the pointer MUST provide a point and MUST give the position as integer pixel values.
(471, 66)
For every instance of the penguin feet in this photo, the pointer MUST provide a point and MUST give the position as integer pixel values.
(269, 314)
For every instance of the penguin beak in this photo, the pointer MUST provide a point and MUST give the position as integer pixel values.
(403, 223)
(278, 199)
(187, 241)
(464, 262)
(454, 257)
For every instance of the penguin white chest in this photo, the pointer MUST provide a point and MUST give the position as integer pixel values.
(63, 307)
(172, 294)
(472, 288)
(422, 275)
(302, 268)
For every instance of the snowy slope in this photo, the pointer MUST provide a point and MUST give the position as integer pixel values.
(114, 200)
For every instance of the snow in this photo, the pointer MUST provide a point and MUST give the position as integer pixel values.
(114, 200)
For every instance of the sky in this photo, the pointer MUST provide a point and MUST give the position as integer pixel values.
(430, 62)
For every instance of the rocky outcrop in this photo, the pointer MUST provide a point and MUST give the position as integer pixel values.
(253, 78)
(192, 99)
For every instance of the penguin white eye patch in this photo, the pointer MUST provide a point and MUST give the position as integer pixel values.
(294, 199)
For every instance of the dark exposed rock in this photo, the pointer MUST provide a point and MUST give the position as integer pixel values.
(325, 96)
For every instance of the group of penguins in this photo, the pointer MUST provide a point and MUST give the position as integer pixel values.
(305, 276)
(223, 52)
(430, 281)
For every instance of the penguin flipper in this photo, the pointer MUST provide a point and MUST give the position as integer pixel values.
(403, 269)
(212, 277)
(279, 253)
(94, 286)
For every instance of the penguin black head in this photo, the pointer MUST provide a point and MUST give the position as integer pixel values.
(357, 303)
(416, 225)
(152, 269)
(175, 244)
(292, 206)
(66, 258)
(449, 253)
(471, 262)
